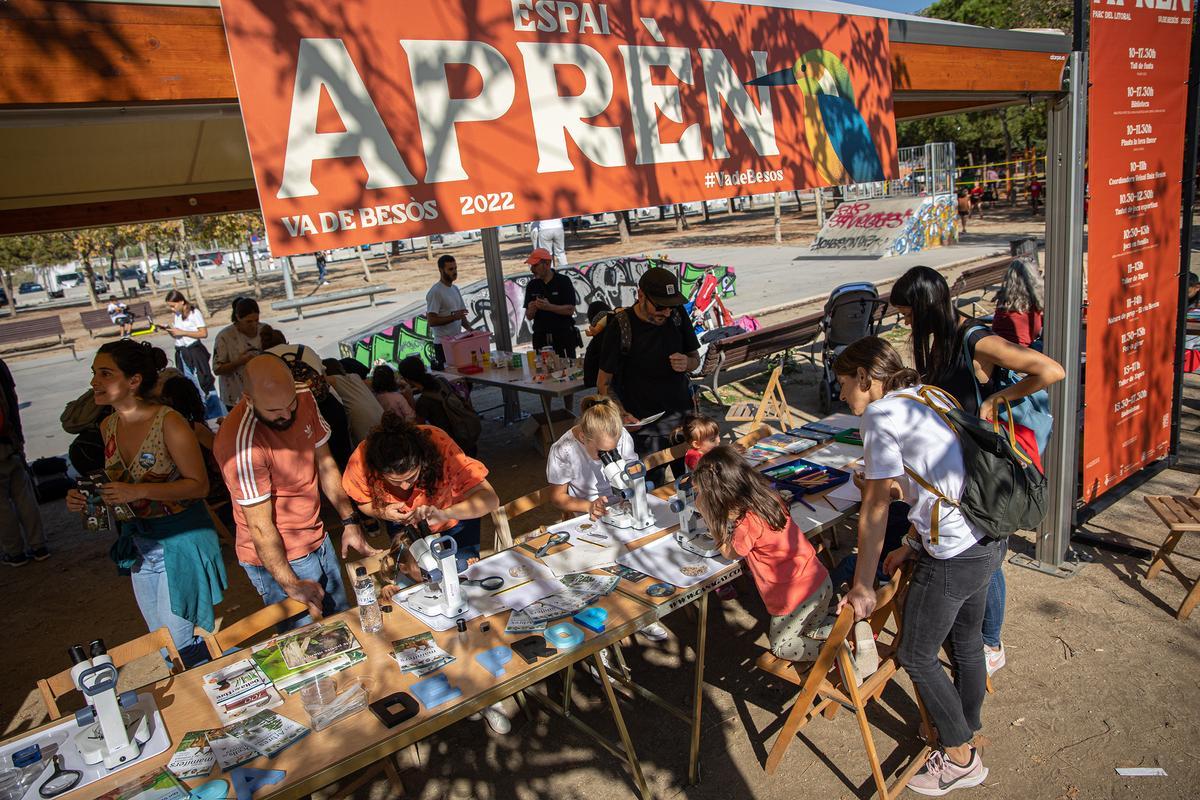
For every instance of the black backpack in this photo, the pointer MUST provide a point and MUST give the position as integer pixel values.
(464, 425)
(1003, 492)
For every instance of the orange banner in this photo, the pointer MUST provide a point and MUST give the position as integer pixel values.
(371, 121)
(1137, 108)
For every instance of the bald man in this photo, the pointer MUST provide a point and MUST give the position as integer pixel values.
(273, 450)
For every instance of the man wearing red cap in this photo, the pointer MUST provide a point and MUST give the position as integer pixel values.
(550, 302)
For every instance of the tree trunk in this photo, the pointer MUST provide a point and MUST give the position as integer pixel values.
(428, 247)
(149, 271)
(12, 296)
(89, 277)
(681, 223)
(253, 270)
(819, 197)
(112, 268)
(1008, 165)
(193, 272)
(623, 226)
(362, 256)
(778, 221)
(730, 209)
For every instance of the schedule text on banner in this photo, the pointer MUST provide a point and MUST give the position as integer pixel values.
(1137, 108)
(370, 120)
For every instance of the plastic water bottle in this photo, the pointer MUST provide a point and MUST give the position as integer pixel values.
(369, 615)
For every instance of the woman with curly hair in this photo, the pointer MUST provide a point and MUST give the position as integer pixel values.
(404, 474)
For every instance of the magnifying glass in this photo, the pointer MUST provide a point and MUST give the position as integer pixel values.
(60, 780)
(555, 538)
(488, 583)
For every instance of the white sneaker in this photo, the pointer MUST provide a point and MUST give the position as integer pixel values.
(994, 659)
(497, 720)
(606, 660)
(655, 632)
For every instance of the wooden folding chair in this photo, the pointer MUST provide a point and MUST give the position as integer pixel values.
(242, 631)
(1181, 514)
(503, 515)
(748, 440)
(773, 406)
(59, 684)
(665, 456)
(828, 684)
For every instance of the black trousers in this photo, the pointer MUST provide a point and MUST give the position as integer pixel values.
(196, 360)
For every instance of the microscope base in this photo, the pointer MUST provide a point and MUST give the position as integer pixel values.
(90, 741)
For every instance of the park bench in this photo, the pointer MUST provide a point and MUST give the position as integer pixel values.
(302, 303)
(744, 348)
(98, 319)
(44, 333)
(976, 281)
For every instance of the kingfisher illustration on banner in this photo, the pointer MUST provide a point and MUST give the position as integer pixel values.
(837, 134)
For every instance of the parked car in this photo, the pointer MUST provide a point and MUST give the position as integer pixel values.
(69, 280)
(206, 263)
(131, 275)
(30, 287)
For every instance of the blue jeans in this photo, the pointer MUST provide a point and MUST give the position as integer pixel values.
(945, 604)
(993, 612)
(153, 595)
(321, 565)
(465, 535)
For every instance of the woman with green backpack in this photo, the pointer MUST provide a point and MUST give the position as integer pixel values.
(908, 444)
(981, 371)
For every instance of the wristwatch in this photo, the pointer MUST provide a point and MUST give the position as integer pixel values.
(350, 520)
(913, 542)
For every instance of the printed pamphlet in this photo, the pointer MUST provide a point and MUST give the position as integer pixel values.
(239, 690)
(229, 750)
(268, 733)
(193, 758)
(157, 785)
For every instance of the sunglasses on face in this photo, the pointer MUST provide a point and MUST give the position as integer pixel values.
(656, 306)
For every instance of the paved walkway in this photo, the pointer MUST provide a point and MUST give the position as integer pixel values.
(767, 278)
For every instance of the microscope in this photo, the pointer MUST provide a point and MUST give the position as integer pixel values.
(693, 534)
(109, 735)
(442, 594)
(628, 480)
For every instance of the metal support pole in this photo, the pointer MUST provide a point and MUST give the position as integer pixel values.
(287, 278)
(498, 305)
(1185, 237)
(1067, 139)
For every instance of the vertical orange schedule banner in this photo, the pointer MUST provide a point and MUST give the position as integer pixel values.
(1137, 108)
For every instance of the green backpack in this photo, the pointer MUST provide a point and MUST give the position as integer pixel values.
(1003, 492)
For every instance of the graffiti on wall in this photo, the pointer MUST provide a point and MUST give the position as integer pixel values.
(612, 280)
(935, 224)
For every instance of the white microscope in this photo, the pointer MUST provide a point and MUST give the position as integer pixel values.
(628, 479)
(436, 555)
(109, 735)
(693, 535)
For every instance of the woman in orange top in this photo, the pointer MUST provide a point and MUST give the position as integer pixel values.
(405, 473)
(748, 519)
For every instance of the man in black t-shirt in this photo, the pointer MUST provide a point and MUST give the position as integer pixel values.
(648, 351)
(550, 302)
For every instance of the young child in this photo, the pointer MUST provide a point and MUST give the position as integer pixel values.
(702, 435)
(748, 519)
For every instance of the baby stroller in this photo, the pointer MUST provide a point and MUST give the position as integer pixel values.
(852, 311)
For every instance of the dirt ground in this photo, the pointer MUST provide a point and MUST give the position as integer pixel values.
(1100, 674)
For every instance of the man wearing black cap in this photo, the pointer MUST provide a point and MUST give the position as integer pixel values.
(648, 350)
(550, 302)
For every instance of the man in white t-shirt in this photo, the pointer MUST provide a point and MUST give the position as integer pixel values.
(548, 233)
(444, 307)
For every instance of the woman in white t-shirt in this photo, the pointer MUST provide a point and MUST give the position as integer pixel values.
(234, 347)
(188, 328)
(954, 560)
(574, 470)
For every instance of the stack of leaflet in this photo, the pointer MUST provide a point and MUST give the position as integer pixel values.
(582, 590)
(776, 445)
(240, 690)
(420, 654)
(820, 431)
(266, 734)
(296, 659)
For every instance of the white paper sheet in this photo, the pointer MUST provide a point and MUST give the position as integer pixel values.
(665, 560)
(584, 555)
(809, 519)
(847, 491)
(835, 454)
(664, 517)
(525, 580)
